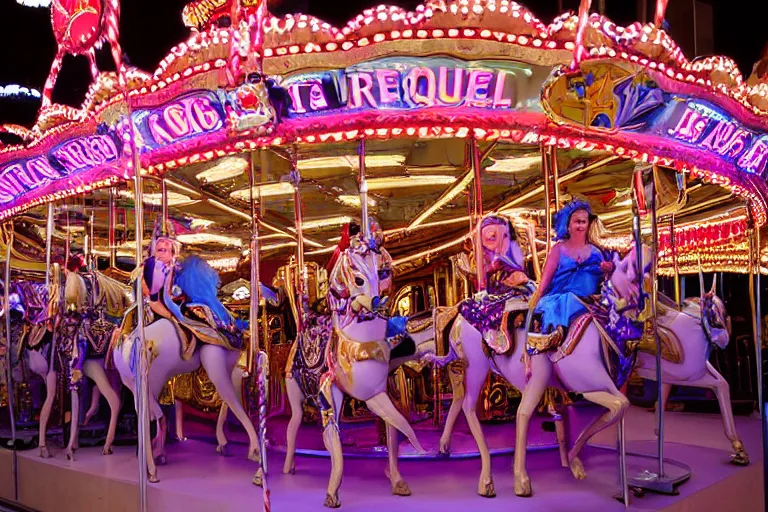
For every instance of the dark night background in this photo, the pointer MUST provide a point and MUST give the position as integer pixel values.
(149, 28)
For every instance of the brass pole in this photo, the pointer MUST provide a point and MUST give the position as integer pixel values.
(111, 229)
(8, 359)
(555, 176)
(547, 212)
(478, 215)
(48, 245)
(365, 228)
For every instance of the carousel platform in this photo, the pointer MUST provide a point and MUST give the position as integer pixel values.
(197, 479)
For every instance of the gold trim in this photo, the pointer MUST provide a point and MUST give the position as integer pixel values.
(458, 48)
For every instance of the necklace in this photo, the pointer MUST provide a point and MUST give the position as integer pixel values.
(580, 254)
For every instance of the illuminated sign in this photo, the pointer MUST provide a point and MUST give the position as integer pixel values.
(698, 124)
(410, 83)
(68, 158)
(185, 117)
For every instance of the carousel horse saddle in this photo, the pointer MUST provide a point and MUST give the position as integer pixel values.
(203, 313)
(399, 329)
(35, 335)
(503, 341)
(671, 347)
(618, 355)
(98, 332)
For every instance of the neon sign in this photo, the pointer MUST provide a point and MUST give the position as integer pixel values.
(68, 158)
(185, 117)
(703, 126)
(398, 84)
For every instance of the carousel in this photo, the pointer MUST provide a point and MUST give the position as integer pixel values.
(449, 254)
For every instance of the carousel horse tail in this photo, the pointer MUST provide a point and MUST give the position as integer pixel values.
(442, 361)
(200, 282)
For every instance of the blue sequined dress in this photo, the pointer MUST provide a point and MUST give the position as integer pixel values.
(573, 280)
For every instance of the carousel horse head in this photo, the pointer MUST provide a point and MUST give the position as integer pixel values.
(362, 275)
(500, 240)
(626, 279)
(714, 317)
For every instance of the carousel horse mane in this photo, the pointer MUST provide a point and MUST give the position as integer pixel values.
(75, 291)
(113, 295)
(200, 282)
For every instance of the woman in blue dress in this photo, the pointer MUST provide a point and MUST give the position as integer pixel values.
(574, 270)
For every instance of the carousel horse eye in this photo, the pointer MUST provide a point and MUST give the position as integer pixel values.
(359, 281)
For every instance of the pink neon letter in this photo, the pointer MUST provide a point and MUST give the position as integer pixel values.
(413, 86)
(690, 127)
(454, 98)
(478, 88)
(755, 159)
(358, 90)
(388, 85)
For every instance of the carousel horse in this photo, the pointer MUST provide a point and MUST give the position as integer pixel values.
(583, 371)
(198, 281)
(687, 335)
(352, 351)
(73, 343)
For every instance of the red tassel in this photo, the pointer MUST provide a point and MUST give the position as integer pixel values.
(661, 8)
(642, 205)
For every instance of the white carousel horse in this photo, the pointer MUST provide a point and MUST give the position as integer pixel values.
(165, 362)
(306, 365)
(583, 372)
(358, 358)
(86, 342)
(688, 335)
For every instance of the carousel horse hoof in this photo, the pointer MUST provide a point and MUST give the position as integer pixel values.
(401, 489)
(577, 468)
(290, 471)
(107, 451)
(254, 455)
(523, 487)
(152, 478)
(637, 492)
(44, 452)
(182, 438)
(332, 501)
(740, 458)
(70, 454)
(444, 454)
(258, 478)
(488, 490)
(222, 450)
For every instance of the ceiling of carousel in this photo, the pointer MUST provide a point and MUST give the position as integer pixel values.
(418, 192)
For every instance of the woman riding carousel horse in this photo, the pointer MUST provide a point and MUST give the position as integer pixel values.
(574, 271)
(185, 294)
(197, 314)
